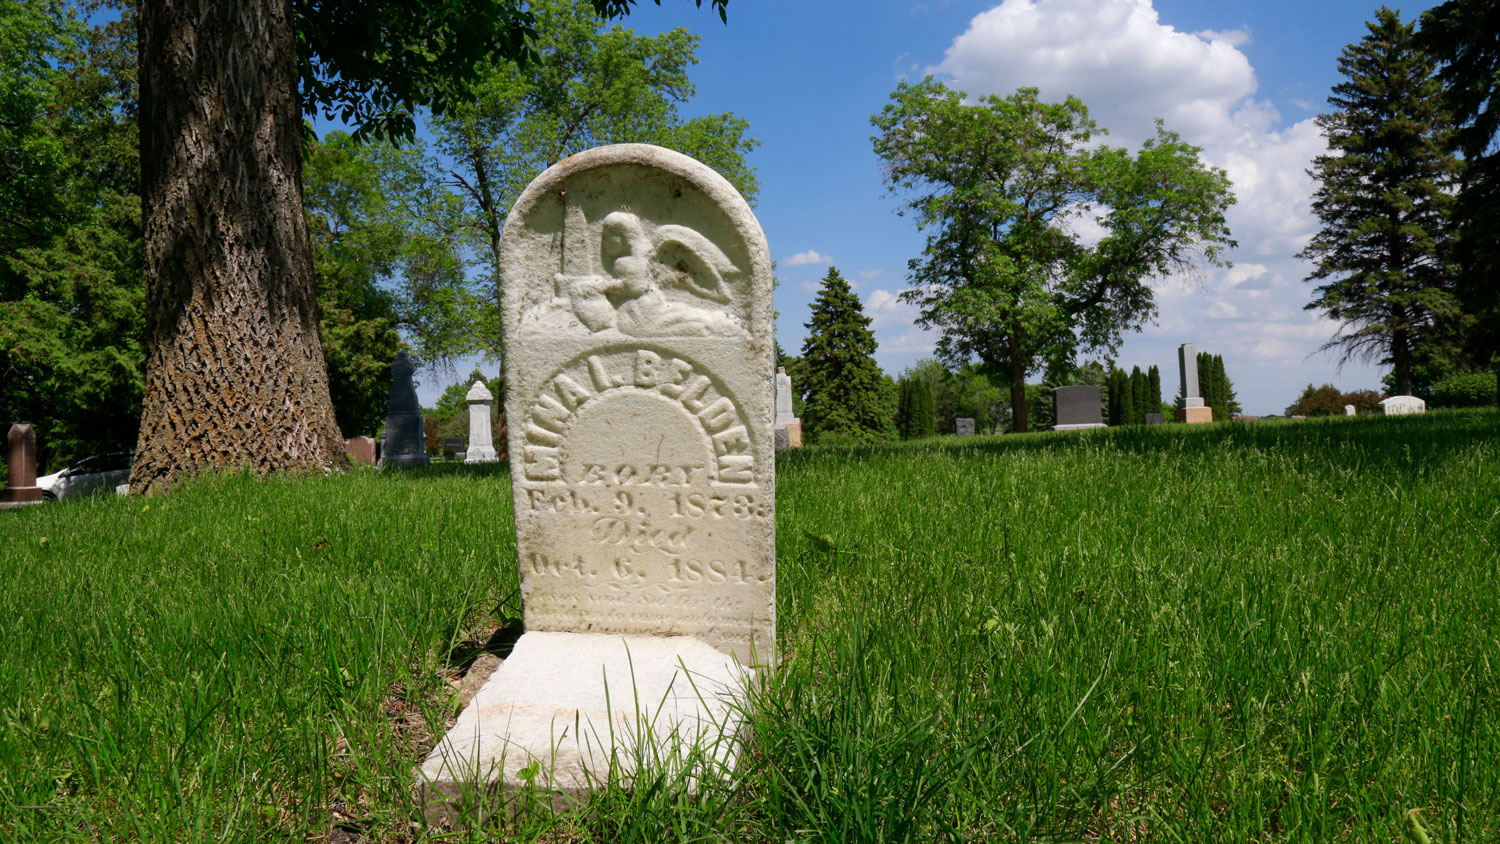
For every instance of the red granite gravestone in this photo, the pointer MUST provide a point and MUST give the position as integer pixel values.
(21, 488)
(361, 450)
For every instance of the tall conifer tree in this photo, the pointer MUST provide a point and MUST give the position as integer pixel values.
(1154, 376)
(845, 393)
(1384, 201)
(1140, 391)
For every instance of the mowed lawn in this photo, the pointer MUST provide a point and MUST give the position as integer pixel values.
(1274, 631)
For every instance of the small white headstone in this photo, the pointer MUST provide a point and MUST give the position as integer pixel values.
(1348, 410)
(481, 440)
(636, 299)
(1401, 405)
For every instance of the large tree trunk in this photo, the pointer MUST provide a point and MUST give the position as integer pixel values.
(235, 375)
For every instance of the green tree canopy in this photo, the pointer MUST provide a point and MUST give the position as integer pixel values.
(579, 86)
(996, 182)
(846, 393)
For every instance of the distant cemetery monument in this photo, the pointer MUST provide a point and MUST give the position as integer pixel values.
(20, 485)
(1349, 410)
(405, 445)
(1079, 406)
(481, 439)
(785, 420)
(1402, 405)
(636, 299)
(1190, 407)
(963, 427)
(1155, 419)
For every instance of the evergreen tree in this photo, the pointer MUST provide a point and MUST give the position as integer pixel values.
(846, 399)
(905, 420)
(1154, 394)
(924, 410)
(1385, 199)
(1116, 389)
(1140, 392)
(1460, 35)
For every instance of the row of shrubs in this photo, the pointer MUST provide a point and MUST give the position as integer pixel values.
(1466, 389)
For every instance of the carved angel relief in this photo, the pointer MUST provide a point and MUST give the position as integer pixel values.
(661, 281)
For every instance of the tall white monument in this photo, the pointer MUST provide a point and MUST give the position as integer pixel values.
(481, 438)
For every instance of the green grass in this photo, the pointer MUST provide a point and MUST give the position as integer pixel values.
(1275, 631)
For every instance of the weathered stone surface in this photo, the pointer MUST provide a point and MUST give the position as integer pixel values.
(405, 445)
(783, 438)
(963, 427)
(1349, 410)
(637, 303)
(361, 450)
(1401, 405)
(1155, 419)
(639, 357)
(794, 432)
(1187, 363)
(1078, 407)
(481, 437)
(1195, 415)
(567, 702)
(20, 486)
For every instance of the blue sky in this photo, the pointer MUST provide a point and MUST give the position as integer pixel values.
(1240, 79)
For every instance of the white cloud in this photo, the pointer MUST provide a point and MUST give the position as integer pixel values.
(809, 258)
(1130, 68)
(882, 300)
(1232, 37)
(870, 274)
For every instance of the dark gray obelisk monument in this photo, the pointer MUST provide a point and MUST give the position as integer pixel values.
(404, 444)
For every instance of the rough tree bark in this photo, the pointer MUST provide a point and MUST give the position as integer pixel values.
(235, 376)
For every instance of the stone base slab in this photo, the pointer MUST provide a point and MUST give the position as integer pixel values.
(405, 461)
(481, 455)
(1081, 427)
(568, 712)
(1195, 415)
(16, 505)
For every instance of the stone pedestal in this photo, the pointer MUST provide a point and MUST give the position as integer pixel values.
(636, 299)
(567, 703)
(481, 439)
(20, 488)
(1195, 415)
(785, 420)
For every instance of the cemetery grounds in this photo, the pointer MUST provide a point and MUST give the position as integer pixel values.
(1272, 631)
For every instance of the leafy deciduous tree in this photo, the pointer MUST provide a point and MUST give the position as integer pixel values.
(997, 181)
(235, 375)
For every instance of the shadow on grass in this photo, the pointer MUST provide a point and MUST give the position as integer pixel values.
(1365, 442)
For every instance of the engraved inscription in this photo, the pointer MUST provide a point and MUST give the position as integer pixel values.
(619, 375)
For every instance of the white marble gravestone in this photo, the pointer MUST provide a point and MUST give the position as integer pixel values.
(637, 304)
(481, 439)
(1401, 405)
(1349, 410)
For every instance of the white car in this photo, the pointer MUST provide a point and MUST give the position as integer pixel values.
(89, 476)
